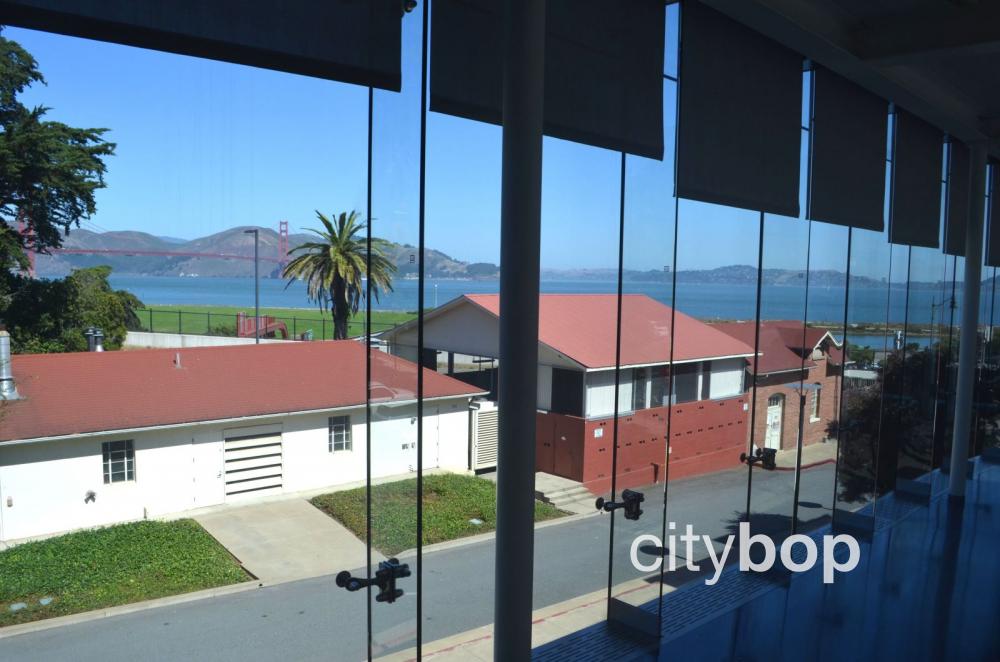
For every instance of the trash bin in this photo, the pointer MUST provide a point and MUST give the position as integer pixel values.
(767, 458)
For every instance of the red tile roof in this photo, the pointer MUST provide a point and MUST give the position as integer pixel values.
(583, 328)
(65, 394)
(781, 343)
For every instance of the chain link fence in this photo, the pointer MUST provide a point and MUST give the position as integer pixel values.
(226, 324)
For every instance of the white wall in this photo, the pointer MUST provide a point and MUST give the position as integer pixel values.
(181, 340)
(464, 329)
(600, 393)
(182, 469)
(726, 378)
(47, 482)
(544, 387)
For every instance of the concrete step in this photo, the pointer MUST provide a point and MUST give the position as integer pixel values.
(563, 493)
(563, 496)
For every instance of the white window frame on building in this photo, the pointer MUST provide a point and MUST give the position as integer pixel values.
(814, 414)
(118, 452)
(344, 442)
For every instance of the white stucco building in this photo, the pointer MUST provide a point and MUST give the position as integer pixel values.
(100, 438)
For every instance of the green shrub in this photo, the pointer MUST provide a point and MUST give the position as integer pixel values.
(111, 566)
(450, 501)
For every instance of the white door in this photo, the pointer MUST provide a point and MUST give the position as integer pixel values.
(394, 441)
(775, 411)
(432, 437)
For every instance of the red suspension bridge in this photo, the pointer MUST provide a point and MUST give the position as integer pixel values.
(281, 258)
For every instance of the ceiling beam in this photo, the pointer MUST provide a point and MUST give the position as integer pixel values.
(809, 27)
(952, 29)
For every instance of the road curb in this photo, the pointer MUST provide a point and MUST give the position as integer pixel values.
(808, 466)
(97, 614)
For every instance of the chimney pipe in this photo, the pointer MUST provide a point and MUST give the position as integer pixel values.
(98, 340)
(89, 333)
(8, 391)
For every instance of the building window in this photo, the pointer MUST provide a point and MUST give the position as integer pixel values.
(658, 386)
(639, 388)
(685, 383)
(814, 415)
(119, 461)
(567, 392)
(340, 433)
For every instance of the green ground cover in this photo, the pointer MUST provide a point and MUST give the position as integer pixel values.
(111, 566)
(450, 501)
(221, 320)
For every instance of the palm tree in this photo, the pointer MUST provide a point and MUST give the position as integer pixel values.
(334, 268)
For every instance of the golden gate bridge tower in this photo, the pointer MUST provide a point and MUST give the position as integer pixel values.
(282, 243)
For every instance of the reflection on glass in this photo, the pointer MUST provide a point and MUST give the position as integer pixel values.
(575, 423)
(866, 340)
(946, 315)
(987, 396)
(203, 150)
(915, 369)
(785, 372)
(711, 399)
(393, 430)
(642, 426)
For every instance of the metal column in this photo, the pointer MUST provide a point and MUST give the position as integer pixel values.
(969, 334)
(520, 239)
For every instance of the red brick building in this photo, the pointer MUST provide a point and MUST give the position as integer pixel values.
(789, 353)
(577, 340)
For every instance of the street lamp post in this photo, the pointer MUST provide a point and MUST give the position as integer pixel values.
(256, 284)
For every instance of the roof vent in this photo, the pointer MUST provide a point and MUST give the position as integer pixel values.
(95, 339)
(177, 360)
(8, 391)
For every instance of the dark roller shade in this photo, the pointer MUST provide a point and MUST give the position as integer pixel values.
(603, 69)
(957, 200)
(915, 209)
(354, 41)
(740, 111)
(993, 218)
(847, 172)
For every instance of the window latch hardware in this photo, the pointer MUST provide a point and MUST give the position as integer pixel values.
(385, 578)
(630, 502)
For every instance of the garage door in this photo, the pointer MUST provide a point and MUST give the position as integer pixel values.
(253, 465)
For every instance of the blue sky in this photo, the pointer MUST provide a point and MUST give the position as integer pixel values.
(203, 146)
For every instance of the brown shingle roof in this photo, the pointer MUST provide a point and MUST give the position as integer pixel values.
(65, 394)
(781, 343)
(583, 328)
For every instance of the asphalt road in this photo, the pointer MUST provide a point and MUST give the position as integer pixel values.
(315, 620)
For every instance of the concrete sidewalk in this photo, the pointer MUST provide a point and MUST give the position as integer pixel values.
(547, 624)
(286, 540)
(812, 455)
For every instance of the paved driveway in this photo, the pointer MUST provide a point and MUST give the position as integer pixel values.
(286, 540)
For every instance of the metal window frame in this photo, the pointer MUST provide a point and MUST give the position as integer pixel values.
(346, 441)
(109, 449)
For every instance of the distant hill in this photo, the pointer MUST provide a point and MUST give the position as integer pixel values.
(172, 240)
(737, 274)
(438, 264)
(231, 241)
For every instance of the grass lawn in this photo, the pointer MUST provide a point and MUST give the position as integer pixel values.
(111, 566)
(450, 501)
(221, 320)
